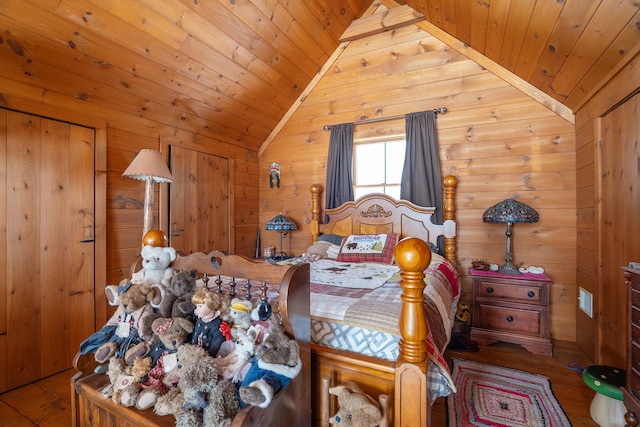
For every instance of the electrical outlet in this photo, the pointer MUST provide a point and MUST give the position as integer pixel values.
(586, 302)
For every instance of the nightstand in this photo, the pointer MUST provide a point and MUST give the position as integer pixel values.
(512, 309)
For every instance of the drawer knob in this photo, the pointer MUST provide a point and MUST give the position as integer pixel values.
(509, 318)
(531, 294)
(490, 290)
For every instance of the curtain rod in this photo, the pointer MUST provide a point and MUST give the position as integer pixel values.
(440, 110)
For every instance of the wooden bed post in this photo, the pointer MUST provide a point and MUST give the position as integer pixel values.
(314, 225)
(450, 183)
(411, 398)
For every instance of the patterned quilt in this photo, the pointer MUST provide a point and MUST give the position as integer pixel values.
(365, 319)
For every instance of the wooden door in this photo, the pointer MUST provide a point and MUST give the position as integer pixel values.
(200, 202)
(47, 207)
(620, 230)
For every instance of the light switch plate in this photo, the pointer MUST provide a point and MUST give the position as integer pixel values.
(586, 302)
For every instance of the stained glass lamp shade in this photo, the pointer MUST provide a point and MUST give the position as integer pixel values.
(510, 211)
(282, 225)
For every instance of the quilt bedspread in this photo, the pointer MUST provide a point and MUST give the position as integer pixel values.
(365, 320)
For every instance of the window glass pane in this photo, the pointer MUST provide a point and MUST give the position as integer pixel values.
(369, 166)
(377, 167)
(395, 161)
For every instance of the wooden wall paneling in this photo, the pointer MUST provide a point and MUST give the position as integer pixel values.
(4, 308)
(543, 18)
(498, 13)
(567, 30)
(595, 43)
(626, 43)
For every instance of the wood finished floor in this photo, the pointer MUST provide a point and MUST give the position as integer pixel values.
(47, 403)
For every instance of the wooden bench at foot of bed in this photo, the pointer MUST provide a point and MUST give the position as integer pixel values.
(289, 407)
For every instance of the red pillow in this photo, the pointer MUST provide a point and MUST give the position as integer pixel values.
(368, 248)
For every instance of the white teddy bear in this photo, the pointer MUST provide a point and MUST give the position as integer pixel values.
(156, 273)
(156, 266)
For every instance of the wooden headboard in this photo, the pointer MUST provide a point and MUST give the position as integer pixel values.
(378, 213)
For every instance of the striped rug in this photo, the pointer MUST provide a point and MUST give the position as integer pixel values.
(489, 395)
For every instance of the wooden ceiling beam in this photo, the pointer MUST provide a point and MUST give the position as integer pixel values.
(380, 22)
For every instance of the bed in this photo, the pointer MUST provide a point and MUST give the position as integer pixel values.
(286, 287)
(399, 354)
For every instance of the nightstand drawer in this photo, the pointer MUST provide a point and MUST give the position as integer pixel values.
(528, 293)
(510, 319)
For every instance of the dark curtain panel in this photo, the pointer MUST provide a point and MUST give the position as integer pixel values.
(339, 165)
(421, 176)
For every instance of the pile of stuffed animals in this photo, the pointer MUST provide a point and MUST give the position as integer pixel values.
(184, 350)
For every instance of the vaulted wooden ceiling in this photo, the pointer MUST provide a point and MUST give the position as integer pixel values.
(232, 69)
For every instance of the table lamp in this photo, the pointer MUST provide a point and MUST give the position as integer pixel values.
(281, 224)
(509, 211)
(150, 167)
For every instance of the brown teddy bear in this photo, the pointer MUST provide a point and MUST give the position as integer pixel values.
(169, 334)
(358, 409)
(181, 289)
(275, 364)
(460, 340)
(130, 325)
(124, 380)
(203, 399)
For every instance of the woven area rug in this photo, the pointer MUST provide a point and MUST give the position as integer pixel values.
(489, 395)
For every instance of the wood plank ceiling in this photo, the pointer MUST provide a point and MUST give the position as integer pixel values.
(231, 69)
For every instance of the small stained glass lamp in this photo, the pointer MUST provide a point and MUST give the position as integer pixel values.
(509, 211)
(282, 225)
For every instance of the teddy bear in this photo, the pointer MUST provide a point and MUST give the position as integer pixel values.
(236, 361)
(205, 399)
(275, 363)
(169, 334)
(357, 409)
(124, 380)
(156, 266)
(460, 340)
(239, 316)
(130, 325)
(182, 288)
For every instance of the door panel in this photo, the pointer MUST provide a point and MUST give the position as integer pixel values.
(50, 262)
(620, 243)
(23, 240)
(200, 202)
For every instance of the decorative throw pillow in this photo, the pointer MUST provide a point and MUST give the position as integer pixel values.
(368, 248)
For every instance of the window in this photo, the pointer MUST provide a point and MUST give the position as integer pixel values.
(377, 166)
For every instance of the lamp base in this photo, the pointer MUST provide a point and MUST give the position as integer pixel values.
(508, 268)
